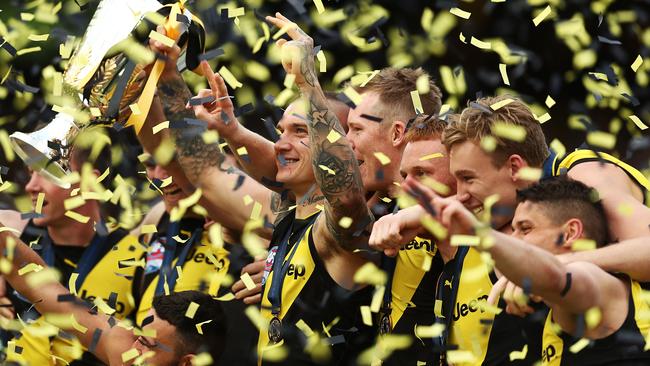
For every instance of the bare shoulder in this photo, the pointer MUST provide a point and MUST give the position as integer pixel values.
(12, 219)
(152, 217)
(603, 177)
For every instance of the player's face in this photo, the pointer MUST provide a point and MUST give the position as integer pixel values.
(477, 179)
(368, 137)
(293, 157)
(427, 158)
(162, 347)
(53, 208)
(171, 193)
(532, 224)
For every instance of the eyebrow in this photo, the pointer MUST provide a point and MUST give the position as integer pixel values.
(463, 171)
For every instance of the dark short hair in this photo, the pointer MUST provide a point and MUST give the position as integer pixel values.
(425, 127)
(564, 199)
(173, 307)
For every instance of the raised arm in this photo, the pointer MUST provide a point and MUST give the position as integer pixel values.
(335, 167)
(259, 160)
(200, 164)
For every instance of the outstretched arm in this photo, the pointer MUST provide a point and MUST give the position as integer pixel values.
(335, 167)
(46, 300)
(524, 264)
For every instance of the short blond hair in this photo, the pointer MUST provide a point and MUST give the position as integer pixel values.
(425, 127)
(476, 121)
(394, 87)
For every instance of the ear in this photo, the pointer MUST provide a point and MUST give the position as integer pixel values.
(397, 133)
(573, 230)
(186, 360)
(514, 163)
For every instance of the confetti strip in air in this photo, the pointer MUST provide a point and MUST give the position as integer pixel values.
(542, 15)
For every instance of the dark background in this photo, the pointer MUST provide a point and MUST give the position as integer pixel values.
(545, 62)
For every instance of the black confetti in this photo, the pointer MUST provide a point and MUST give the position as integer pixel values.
(609, 41)
(199, 101)
(212, 53)
(371, 118)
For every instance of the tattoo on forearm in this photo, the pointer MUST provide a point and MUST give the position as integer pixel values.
(336, 171)
(193, 154)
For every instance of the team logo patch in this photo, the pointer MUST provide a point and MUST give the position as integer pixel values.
(268, 266)
(155, 256)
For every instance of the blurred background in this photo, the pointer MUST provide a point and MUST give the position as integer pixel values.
(579, 66)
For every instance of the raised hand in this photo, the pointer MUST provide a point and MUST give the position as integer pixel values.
(297, 54)
(514, 296)
(219, 114)
(171, 55)
(448, 211)
(390, 232)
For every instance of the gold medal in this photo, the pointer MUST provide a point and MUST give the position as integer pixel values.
(275, 330)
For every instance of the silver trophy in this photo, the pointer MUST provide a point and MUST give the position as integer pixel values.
(93, 78)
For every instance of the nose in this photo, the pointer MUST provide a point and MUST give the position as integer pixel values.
(34, 184)
(350, 138)
(160, 173)
(461, 192)
(282, 145)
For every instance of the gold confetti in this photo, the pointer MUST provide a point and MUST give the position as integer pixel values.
(369, 273)
(248, 281)
(542, 15)
(509, 131)
(191, 310)
(72, 283)
(504, 74)
(237, 12)
(431, 156)
(549, 101)
(460, 13)
(161, 38)
(39, 203)
(130, 354)
(354, 96)
(26, 17)
(77, 217)
(74, 202)
(333, 136)
(637, 63)
(383, 159)
(529, 173)
(30, 267)
(519, 355)
(422, 84)
(583, 244)
(579, 345)
(366, 315)
(159, 127)
(289, 80)
(345, 222)
(558, 147)
(200, 325)
(429, 331)
(480, 44)
(460, 356)
(601, 139)
(319, 6)
(103, 306)
(501, 104)
(637, 121)
(417, 103)
(227, 297)
(38, 37)
(229, 78)
(28, 50)
(135, 109)
(320, 56)
(593, 317)
(465, 240)
(327, 169)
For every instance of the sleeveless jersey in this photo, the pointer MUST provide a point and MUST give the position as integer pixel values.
(559, 165)
(624, 347)
(487, 338)
(110, 279)
(312, 301)
(205, 269)
(417, 268)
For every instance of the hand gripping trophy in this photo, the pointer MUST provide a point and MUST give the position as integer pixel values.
(97, 77)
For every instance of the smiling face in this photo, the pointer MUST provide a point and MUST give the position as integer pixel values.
(368, 137)
(53, 204)
(293, 157)
(427, 158)
(477, 178)
(533, 224)
(172, 193)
